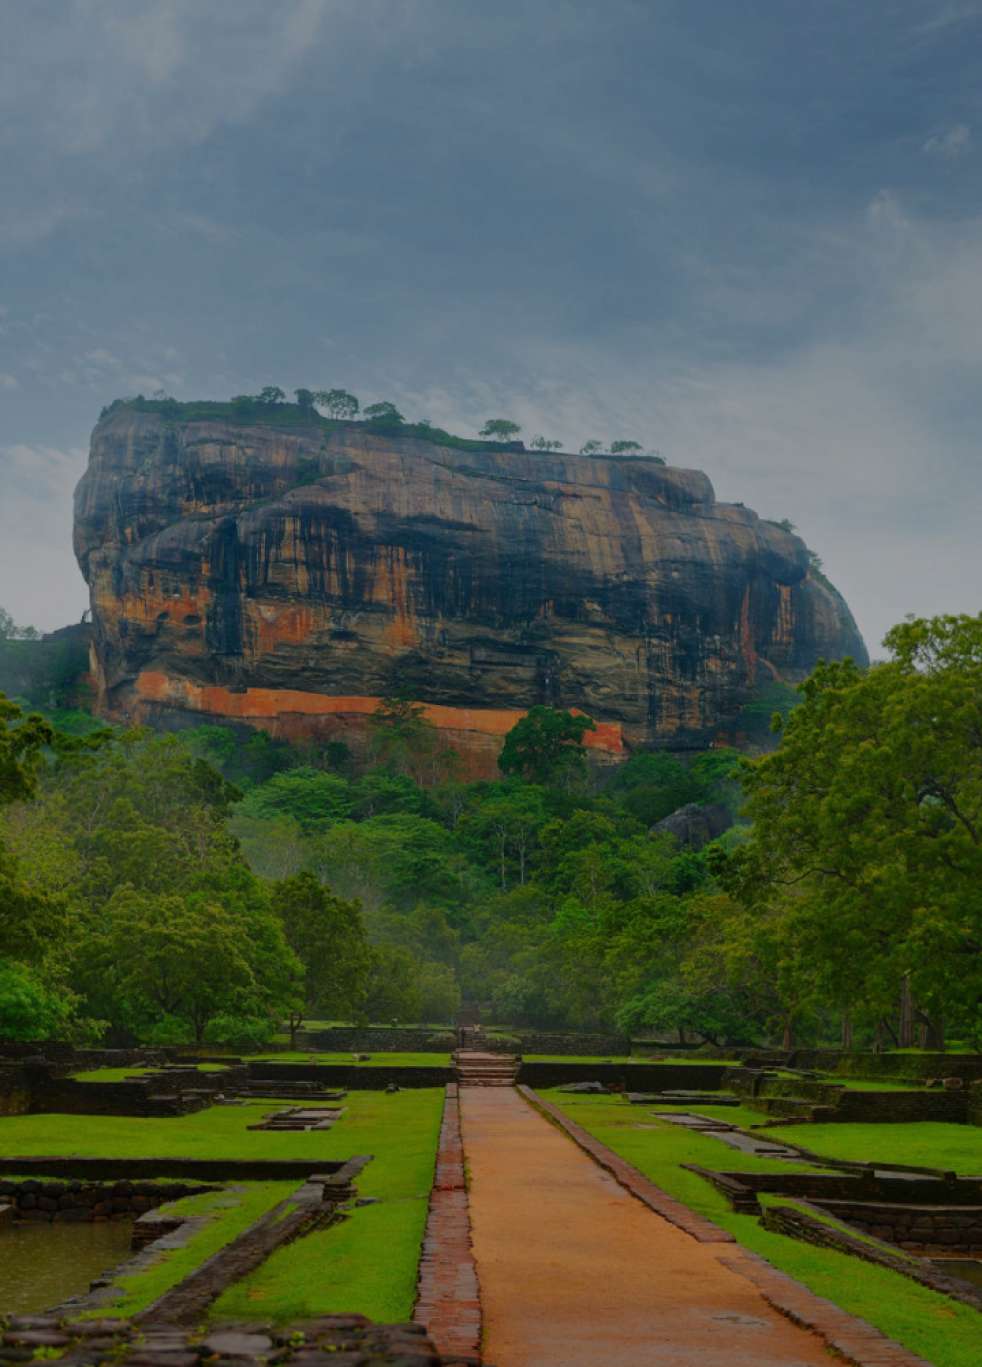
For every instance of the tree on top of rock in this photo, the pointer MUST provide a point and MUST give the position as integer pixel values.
(383, 412)
(338, 402)
(544, 444)
(546, 746)
(306, 399)
(500, 429)
(271, 394)
(625, 448)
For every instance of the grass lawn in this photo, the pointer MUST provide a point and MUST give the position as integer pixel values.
(925, 1143)
(944, 1332)
(381, 1060)
(367, 1264)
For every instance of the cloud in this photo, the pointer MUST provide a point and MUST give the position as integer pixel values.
(146, 75)
(598, 223)
(8, 381)
(953, 143)
(865, 436)
(39, 579)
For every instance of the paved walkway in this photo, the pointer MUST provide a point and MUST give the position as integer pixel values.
(575, 1272)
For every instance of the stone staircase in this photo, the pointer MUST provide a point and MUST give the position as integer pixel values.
(476, 1069)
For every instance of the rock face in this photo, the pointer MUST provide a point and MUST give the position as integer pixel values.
(291, 577)
(694, 826)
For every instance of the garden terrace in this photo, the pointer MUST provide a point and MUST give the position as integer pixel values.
(822, 1098)
(208, 1245)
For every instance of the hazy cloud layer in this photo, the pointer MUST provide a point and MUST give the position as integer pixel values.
(747, 235)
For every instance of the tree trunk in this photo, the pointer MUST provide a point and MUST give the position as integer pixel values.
(931, 1032)
(787, 1043)
(905, 1035)
(846, 1030)
(681, 1034)
(878, 1040)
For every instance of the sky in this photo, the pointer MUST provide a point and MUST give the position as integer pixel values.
(743, 232)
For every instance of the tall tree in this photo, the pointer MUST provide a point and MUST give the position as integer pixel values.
(546, 746)
(327, 936)
(338, 402)
(190, 959)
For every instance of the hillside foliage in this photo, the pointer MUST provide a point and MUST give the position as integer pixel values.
(214, 884)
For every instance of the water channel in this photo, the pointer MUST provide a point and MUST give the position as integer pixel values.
(967, 1269)
(42, 1264)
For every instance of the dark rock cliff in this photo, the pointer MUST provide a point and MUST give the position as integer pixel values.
(291, 577)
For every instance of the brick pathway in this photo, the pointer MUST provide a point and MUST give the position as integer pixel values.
(447, 1297)
(576, 1272)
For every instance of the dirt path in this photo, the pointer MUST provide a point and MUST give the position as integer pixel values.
(575, 1272)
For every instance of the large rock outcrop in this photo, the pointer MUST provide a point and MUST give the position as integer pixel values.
(290, 577)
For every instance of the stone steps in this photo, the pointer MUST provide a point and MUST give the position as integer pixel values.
(485, 1070)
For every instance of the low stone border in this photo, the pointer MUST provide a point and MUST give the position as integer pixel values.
(84, 1201)
(199, 1169)
(448, 1296)
(344, 1339)
(855, 1340)
(630, 1178)
(865, 1186)
(350, 1076)
(800, 1224)
(852, 1338)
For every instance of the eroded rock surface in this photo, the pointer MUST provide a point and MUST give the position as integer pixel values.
(292, 577)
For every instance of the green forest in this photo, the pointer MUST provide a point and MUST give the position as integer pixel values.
(215, 885)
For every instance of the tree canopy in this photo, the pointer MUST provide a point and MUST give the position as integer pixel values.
(866, 851)
(546, 745)
(500, 429)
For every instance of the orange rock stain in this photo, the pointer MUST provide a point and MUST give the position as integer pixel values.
(256, 704)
